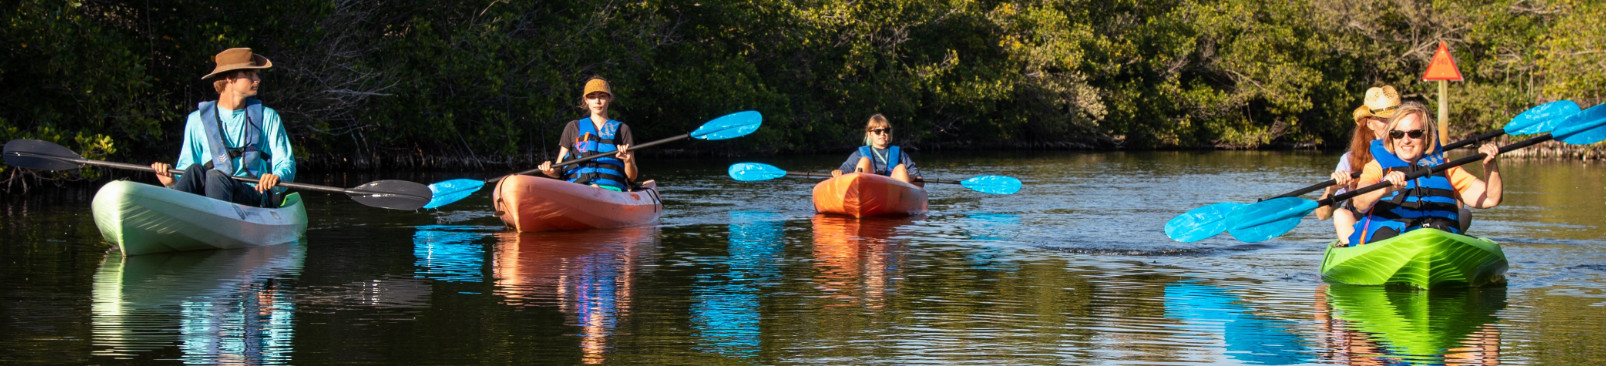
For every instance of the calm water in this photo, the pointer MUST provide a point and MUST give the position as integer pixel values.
(1074, 269)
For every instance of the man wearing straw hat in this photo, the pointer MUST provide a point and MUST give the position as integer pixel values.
(234, 135)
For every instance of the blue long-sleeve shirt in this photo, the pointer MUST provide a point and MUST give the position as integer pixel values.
(276, 143)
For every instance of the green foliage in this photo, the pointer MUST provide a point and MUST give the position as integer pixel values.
(494, 81)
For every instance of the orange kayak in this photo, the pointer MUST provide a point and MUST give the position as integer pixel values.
(529, 203)
(866, 195)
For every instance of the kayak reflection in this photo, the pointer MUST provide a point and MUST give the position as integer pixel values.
(1247, 337)
(588, 275)
(224, 306)
(725, 308)
(1378, 325)
(857, 261)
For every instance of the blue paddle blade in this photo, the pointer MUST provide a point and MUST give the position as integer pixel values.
(994, 184)
(729, 126)
(1268, 219)
(450, 191)
(753, 172)
(1200, 223)
(1541, 119)
(1585, 128)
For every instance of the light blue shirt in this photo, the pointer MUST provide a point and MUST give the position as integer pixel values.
(277, 144)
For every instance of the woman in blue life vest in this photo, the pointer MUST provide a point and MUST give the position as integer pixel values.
(234, 135)
(1431, 201)
(879, 156)
(593, 135)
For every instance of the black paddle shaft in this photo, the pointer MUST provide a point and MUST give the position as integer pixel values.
(1353, 175)
(1435, 169)
(827, 175)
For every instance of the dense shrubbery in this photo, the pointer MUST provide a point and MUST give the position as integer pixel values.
(491, 82)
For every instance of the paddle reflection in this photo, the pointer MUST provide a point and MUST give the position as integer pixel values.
(1246, 337)
(857, 261)
(451, 253)
(216, 307)
(1375, 325)
(587, 275)
(725, 307)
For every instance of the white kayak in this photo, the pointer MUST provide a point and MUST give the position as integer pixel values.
(144, 219)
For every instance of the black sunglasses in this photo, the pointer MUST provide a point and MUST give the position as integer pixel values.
(1415, 134)
(880, 130)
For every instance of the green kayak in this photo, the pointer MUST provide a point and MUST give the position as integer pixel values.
(1422, 258)
(144, 219)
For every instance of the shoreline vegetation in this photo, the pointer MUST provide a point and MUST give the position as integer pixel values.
(480, 84)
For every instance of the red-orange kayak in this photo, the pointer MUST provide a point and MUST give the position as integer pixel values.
(865, 195)
(529, 203)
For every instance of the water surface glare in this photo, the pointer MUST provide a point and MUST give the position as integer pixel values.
(1073, 269)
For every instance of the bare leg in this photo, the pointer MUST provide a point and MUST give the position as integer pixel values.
(1344, 224)
(901, 174)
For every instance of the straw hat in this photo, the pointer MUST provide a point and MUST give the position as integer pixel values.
(597, 85)
(237, 59)
(1381, 102)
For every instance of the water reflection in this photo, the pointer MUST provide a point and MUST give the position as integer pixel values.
(857, 261)
(216, 307)
(450, 253)
(588, 275)
(1369, 325)
(1247, 337)
(725, 304)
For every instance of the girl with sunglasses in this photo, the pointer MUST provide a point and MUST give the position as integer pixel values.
(1432, 201)
(879, 156)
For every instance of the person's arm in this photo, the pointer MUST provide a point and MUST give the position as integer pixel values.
(909, 164)
(283, 155)
(1372, 174)
(192, 142)
(1485, 193)
(565, 139)
(624, 139)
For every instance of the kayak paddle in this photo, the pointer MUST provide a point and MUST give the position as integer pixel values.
(994, 184)
(1271, 218)
(41, 155)
(723, 128)
(1204, 222)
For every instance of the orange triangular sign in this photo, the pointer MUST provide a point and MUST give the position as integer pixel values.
(1442, 67)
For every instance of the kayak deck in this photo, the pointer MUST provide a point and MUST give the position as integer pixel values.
(1422, 258)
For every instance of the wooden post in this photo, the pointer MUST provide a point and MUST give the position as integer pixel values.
(1444, 112)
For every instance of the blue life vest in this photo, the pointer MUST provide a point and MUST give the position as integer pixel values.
(223, 155)
(607, 171)
(1429, 201)
(894, 158)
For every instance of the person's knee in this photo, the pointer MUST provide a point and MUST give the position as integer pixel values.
(1465, 218)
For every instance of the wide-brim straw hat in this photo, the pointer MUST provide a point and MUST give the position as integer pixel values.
(240, 58)
(597, 85)
(1381, 102)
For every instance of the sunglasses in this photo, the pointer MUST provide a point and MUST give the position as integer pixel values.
(881, 130)
(1415, 134)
